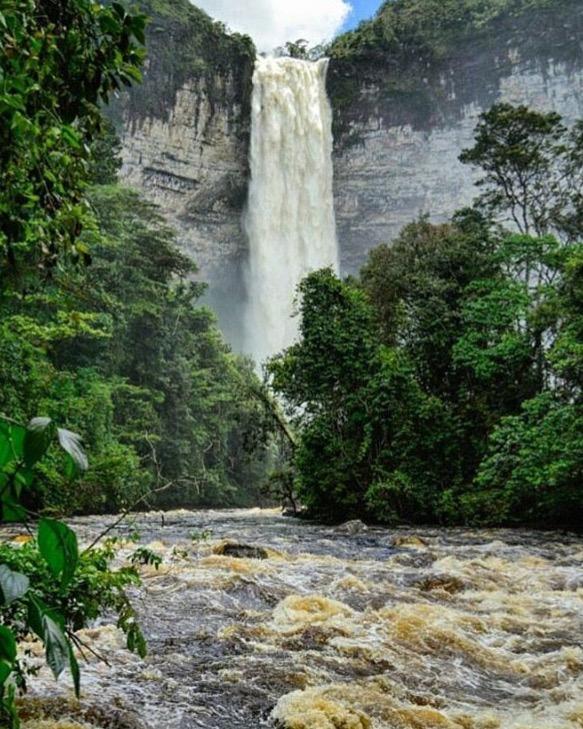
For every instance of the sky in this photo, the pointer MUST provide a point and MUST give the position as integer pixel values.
(361, 10)
(273, 22)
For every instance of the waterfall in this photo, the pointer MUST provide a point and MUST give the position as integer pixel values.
(290, 216)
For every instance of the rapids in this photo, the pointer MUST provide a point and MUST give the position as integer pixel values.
(339, 628)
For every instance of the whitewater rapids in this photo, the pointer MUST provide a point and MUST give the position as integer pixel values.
(338, 629)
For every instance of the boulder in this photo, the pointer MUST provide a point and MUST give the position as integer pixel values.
(352, 527)
(241, 551)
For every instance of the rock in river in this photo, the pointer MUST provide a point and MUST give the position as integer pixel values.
(241, 551)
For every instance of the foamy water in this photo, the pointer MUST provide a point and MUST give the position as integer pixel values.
(290, 217)
(381, 629)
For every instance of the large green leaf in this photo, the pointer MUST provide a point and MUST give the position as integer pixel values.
(36, 610)
(23, 479)
(37, 439)
(49, 626)
(7, 645)
(13, 585)
(58, 545)
(71, 444)
(12, 513)
(12, 510)
(56, 645)
(11, 442)
(5, 671)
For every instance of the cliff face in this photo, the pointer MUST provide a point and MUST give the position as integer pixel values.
(401, 124)
(185, 135)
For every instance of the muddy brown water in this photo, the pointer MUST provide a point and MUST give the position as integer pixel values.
(339, 629)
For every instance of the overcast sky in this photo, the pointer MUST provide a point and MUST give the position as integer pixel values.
(273, 22)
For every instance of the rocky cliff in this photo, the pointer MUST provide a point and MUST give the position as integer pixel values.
(403, 116)
(185, 134)
(401, 119)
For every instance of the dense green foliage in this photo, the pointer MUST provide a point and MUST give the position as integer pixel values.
(122, 353)
(93, 589)
(184, 393)
(367, 425)
(58, 62)
(445, 383)
(428, 29)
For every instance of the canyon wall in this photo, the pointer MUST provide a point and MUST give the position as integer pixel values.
(185, 136)
(399, 129)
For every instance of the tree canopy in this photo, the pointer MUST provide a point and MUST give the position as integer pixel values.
(58, 63)
(444, 384)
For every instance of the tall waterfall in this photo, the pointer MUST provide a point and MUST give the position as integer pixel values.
(290, 217)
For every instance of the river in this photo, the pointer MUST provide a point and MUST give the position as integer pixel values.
(340, 628)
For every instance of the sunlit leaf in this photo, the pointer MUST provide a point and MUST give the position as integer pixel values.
(71, 443)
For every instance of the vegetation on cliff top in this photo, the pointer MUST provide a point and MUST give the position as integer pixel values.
(422, 56)
(187, 45)
(429, 29)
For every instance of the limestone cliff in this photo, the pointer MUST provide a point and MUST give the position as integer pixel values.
(402, 116)
(185, 138)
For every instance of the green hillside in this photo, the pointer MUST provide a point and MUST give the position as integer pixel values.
(431, 29)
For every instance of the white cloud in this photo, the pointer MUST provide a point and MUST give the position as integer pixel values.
(273, 22)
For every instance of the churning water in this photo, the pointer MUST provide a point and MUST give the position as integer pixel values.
(290, 216)
(340, 628)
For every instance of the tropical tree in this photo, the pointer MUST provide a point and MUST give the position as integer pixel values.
(59, 61)
(364, 421)
(532, 167)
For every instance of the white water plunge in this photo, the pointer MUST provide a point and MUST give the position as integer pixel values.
(290, 216)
